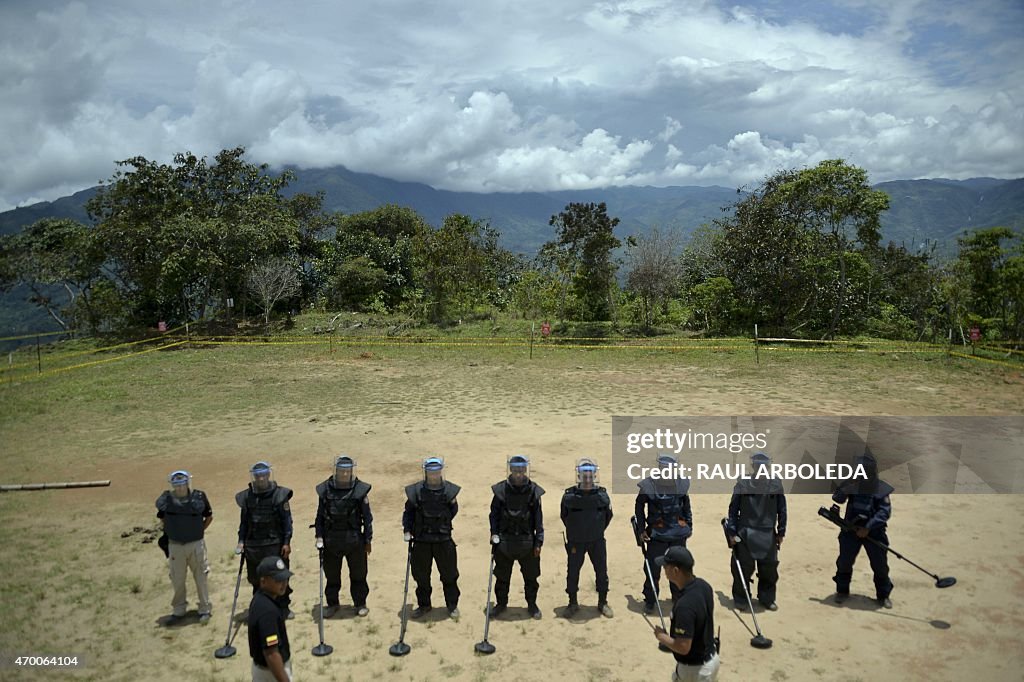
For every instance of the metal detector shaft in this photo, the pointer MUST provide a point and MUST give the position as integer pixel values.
(404, 598)
(834, 517)
(485, 647)
(399, 648)
(746, 591)
(322, 649)
(227, 650)
(647, 565)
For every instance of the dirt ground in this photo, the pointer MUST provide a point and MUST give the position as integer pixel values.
(73, 585)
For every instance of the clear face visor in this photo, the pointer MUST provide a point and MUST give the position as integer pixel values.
(433, 473)
(262, 478)
(586, 475)
(344, 475)
(518, 472)
(180, 485)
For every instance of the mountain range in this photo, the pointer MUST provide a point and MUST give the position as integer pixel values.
(921, 212)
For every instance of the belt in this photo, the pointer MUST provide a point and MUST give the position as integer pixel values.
(707, 657)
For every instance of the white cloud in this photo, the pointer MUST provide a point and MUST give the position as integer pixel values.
(525, 96)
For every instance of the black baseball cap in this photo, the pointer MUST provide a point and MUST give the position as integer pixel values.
(273, 567)
(677, 556)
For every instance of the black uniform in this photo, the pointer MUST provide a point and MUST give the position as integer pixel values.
(868, 506)
(663, 511)
(757, 514)
(693, 617)
(517, 519)
(265, 527)
(428, 517)
(344, 521)
(267, 628)
(586, 514)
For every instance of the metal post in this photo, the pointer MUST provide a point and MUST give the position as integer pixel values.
(531, 340)
(39, 357)
(757, 355)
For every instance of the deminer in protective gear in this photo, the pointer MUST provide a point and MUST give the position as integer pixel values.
(517, 534)
(186, 514)
(430, 506)
(756, 527)
(265, 526)
(664, 518)
(586, 511)
(344, 531)
(868, 509)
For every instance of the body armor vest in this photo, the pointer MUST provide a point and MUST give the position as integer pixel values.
(263, 511)
(183, 518)
(344, 508)
(433, 519)
(587, 513)
(518, 503)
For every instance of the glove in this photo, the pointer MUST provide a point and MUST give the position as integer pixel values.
(319, 543)
(407, 536)
(495, 539)
(238, 548)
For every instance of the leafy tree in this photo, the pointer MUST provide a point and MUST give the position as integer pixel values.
(583, 246)
(454, 265)
(786, 247)
(991, 274)
(180, 238)
(837, 201)
(372, 257)
(713, 302)
(58, 262)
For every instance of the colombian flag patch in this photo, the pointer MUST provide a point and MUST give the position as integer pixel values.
(271, 641)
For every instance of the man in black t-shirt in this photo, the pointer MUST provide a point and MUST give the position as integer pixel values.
(268, 635)
(692, 636)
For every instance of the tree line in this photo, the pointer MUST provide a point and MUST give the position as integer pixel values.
(800, 254)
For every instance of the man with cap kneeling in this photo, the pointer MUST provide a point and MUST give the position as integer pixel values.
(691, 636)
(268, 632)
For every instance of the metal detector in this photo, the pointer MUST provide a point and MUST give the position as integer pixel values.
(759, 641)
(322, 649)
(227, 651)
(485, 647)
(400, 648)
(832, 514)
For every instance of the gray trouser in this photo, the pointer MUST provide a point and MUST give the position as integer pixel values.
(705, 672)
(261, 674)
(183, 556)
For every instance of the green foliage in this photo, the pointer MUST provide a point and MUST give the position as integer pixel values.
(714, 302)
(58, 262)
(459, 265)
(179, 239)
(582, 252)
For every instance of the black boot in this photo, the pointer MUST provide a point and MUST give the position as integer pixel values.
(573, 606)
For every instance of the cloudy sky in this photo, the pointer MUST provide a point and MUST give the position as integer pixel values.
(512, 96)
